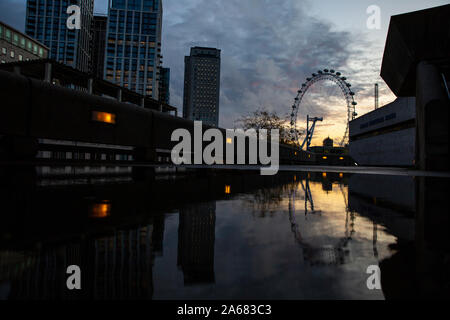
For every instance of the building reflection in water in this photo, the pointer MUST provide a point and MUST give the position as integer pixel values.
(415, 210)
(337, 224)
(114, 266)
(196, 236)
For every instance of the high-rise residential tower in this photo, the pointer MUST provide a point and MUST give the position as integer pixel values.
(202, 85)
(133, 45)
(46, 21)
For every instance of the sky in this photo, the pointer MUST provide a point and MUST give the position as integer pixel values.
(269, 47)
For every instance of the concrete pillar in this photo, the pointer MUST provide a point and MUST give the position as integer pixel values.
(119, 95)
(17, 70)
(432, 239)
(143, 102)
(48, 72)
(90, 85)
(176, 112)
(432, 121)
(160, 107)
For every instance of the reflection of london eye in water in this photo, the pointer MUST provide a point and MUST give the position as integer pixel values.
(308, 197)
(325, 254)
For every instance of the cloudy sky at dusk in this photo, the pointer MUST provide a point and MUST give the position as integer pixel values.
(269, 47)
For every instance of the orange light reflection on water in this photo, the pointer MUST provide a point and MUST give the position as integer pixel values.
(100, 210)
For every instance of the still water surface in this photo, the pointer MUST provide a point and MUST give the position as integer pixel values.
(295, 236)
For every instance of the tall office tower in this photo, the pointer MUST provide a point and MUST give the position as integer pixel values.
(46, 21)
(202, 85)
(164, 86)
(98, 45)
(133, 47)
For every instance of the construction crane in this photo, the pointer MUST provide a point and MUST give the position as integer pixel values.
(376, 96)
(309, 131)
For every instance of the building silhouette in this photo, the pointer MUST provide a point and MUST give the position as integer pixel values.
(16, 46)
(196, 235)
(164, 86)
(98, 44)
(133, 45)
(328, 142)
(202, 85)
(46, 21)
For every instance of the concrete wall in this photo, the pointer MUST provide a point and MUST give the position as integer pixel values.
(404, 109)
(371, 145)
(391, 149)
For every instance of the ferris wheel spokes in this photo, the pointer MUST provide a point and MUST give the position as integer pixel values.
(325, 75)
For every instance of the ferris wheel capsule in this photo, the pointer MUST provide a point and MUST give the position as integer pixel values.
(332, 71)
(314, 74)
(338, 73)
(344, 78)
(354, 103)
(325, 70)
(319, 72)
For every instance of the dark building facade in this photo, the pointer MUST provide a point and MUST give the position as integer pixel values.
(98, 45)
(164, 86)
(133, 45)
(16, 46)
(202, 85)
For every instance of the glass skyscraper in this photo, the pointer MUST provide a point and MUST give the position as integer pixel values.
(46, 22)
(133, 45)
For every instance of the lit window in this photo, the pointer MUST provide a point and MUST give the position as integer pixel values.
(100, 210)
(12, 54)
(103, 117)
(20, 57)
